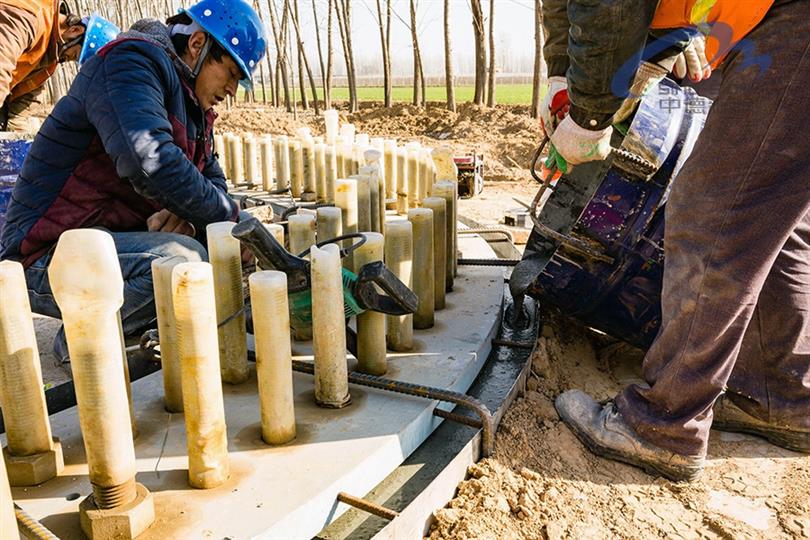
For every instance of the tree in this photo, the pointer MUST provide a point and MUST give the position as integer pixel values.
(302, 55)
(281, 55)
(419, 96)
(330, 53)
(448, 60)
(385, 41)
(479, 35)
(343, 14)
(327, 99)
(293, 11)
(539, 60)
(491, 83)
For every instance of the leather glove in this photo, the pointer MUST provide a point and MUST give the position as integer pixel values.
(692, 62)
(555, 105)
(577, 145)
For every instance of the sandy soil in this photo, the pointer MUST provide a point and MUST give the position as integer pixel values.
(542, 483)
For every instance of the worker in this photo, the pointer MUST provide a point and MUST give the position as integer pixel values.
(733, 350)
(37, 35)
(129, 150)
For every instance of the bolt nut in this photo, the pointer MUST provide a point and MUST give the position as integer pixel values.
(122, 523)
(36, 469)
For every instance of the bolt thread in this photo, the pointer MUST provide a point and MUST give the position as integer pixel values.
(115, 496)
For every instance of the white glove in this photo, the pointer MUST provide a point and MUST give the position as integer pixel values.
(692, 62)
(577, 145)
(555, 105)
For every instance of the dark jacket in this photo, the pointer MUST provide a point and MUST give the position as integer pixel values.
(599, 46)
(128, 140)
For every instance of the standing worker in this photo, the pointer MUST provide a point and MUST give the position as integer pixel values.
(129, 150)
(35, 37)
(733, 351)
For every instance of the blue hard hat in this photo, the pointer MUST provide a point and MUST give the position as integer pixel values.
(99, 31)
(236, 26)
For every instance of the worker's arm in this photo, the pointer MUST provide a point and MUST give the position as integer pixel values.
(126, 106)
(213, 171)
(556, 25)
(17, 32)
(605, 42)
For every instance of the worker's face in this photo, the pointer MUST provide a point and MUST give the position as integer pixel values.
(217, 79)
(71, 54)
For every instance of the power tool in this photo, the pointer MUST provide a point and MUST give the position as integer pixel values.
(360, 291)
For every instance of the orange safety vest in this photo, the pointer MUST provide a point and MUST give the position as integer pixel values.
(724, 22)
(40, 60)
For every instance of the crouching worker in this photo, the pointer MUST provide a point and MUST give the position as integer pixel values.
(129, 150)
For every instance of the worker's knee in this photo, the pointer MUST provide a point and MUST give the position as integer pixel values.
(178, 245)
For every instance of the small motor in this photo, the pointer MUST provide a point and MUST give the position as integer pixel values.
(470, 175)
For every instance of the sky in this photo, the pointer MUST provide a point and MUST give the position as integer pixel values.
(514, 34)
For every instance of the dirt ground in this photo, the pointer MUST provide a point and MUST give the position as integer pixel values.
(542, 483)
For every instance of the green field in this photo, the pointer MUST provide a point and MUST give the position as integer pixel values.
(508, 94)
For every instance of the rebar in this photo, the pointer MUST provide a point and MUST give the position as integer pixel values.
(488, 262)
(489, 230)
(427, 392)
(31, 528)
(367, 506)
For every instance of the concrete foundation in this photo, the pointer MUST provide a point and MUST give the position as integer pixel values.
(288, 491)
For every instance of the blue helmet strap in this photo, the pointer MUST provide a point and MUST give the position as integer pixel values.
(203, 55)
(63, 47)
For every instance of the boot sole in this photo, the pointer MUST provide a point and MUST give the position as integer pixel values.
(674, 473)
(796, 441)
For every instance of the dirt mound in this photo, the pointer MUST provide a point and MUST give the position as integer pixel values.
(505, 135)
(542, 483)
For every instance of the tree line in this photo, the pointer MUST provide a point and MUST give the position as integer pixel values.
(290, 78)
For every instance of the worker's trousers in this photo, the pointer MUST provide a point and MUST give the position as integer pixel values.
(736, 293)
(136, 251)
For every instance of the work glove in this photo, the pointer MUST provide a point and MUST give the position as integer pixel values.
(574, 145)
(647, 76)
(692, 62)
(555, 105)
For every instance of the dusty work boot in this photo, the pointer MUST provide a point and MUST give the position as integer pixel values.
(602, 429)
(729, 417)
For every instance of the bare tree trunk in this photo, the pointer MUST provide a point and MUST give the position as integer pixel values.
(330, 55)
(480, 52)
(326, 100)
(418, 74)
(267, 54)
(386, 56)
(303, 56)
(293, 11)
(287, 34)
(539, 60)
(491, 84)
(281, 48)
(347, 21)
(388, 12)
(343, 14)
(448, 60)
